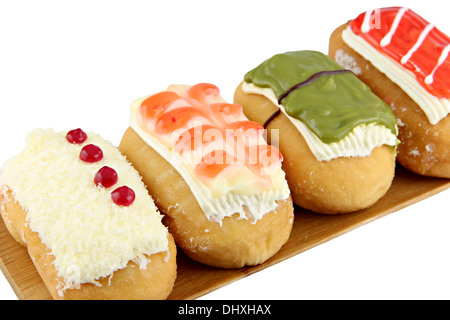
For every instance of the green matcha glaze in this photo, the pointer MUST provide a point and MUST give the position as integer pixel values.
(332, 105)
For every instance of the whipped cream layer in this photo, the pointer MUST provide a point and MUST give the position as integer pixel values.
(434, 108)
(358, 143)
(88, 234)
(234, 191)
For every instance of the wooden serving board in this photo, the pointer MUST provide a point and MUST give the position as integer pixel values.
(194, 279)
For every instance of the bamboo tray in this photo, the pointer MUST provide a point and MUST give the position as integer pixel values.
(194, 280)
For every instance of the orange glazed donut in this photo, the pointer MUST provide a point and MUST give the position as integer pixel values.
(209, 169)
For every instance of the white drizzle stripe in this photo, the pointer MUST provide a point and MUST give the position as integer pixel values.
(418, 43)
(434, 108)
(358, 143)
(365, 27)
(388, 37)
(429, 79)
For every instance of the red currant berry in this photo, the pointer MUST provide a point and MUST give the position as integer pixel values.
(106, 177)
(76, 136)
(123, 196)
(91, 153)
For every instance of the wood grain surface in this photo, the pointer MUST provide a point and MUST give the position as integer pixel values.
(194, 280)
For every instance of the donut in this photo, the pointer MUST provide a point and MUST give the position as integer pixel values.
(338, 139)
(88, 223)
(220, 185)
(405, 60)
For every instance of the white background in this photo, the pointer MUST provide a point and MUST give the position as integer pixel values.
(69, 64)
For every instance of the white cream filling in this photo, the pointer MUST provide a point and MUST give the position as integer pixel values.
(88, 234)
(216, 207)
(434, 108)
(358, 143)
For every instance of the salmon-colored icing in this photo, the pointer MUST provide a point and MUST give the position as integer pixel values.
(214, 136)
(411, 41)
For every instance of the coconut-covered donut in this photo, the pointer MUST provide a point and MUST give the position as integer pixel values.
(87, 220)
